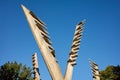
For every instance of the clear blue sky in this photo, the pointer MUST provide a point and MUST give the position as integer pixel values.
(100, 41)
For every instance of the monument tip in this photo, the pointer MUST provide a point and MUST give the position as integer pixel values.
(24, 8)
(82, 22)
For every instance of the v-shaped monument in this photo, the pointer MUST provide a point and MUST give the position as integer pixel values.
(42, 38)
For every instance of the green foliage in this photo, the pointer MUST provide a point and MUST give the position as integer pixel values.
(15, 71)
(110, 73)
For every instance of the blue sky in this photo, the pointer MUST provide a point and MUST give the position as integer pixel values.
(100, 40)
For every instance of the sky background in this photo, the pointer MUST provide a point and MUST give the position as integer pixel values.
(100, 40)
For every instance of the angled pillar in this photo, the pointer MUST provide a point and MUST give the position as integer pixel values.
(95, 70)
(43, 40)
(74, 51)
(35, 67)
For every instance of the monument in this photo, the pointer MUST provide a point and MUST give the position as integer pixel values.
(95, 70)
(42, 38)
(35, 67)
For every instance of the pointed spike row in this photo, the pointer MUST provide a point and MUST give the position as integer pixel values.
(78, 37)
(53, 53)
(77, 48)
(79, 28)
(74, 59)
(75, 45)
(71, 60)
(76, 42)
(74, 48)
(52, 50)
(50, 47)
(93, 66)
(94, 70)
(81, 25)
(46, 36)
(95, 74)
(33, 15)
(93, 63)
(75, 39)
(43, 30)
(71, 53)
(75, 51)
(74, 55)
(40, 25)
(47, 40)
(73, 63)
(38, 70)
(77, 33)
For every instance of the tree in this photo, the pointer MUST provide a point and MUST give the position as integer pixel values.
(15, 71)
(110, 73)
